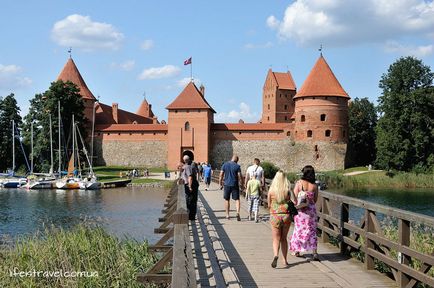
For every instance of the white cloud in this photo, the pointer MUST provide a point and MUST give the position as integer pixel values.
(125, 66)
(339, 22)
(81, 32)
(159, 72)
(10, 78)
(411, 50)
(147, 44)
(258, 46)
(243, 113)
(184, 81)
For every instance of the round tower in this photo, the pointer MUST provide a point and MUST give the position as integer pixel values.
(321, 107)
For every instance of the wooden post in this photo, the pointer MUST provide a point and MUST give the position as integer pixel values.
(345, 213)
(404, 240)
(369, 227)
(324, 236)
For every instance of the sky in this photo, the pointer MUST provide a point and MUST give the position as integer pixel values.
(131, 49)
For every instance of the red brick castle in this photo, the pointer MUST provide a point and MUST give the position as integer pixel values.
(297, 127)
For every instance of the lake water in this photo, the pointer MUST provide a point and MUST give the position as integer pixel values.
(415, 200)
(132, 211)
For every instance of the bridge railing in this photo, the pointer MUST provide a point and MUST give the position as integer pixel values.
(407, 265)
(368, 236)
(175, 245)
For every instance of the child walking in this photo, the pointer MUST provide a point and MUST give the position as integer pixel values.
(253, 193)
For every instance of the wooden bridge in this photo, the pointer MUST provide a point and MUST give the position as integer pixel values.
(216, 252)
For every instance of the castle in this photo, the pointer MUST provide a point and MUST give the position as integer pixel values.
(297, 127)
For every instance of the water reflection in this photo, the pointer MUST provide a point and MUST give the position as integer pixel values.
(125, 211)
(415, 200)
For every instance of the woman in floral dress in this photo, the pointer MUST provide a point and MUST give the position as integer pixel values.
(304, 236)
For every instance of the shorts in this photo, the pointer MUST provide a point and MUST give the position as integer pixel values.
(207, 180)
(234, 190)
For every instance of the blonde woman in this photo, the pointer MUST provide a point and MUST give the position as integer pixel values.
(280, 219)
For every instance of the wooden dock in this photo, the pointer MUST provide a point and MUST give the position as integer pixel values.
(242, 254)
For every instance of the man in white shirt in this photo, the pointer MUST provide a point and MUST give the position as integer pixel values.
(256, 170)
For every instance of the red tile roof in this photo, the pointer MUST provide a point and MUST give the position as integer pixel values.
(71, 73)
(131, 127)
(143, 109)
(190, 98)
(104, 115)
(321, 82)
(250, 126)
(284, 80)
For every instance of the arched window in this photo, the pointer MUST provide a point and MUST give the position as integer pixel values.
(323, 117)
(328, 133)
(286, 107)
(309, 133)
(303, 118)
(343, 134)
(288, 133)
(268, 106)
(187, 126)
(268, 118)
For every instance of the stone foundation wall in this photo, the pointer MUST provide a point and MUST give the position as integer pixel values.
(131, 153)
(285, 154)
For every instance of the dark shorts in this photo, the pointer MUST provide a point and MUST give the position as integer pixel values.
(234, 190)
(208, 180)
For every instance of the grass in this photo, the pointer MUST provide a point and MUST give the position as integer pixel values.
(82, 249)
(379, 179)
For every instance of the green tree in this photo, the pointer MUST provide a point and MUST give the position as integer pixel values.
(405, 135)
(9, 111)
(361, 141)
(43, 105)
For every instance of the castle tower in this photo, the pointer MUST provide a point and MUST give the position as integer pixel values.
(321, 107)
(70, 73)
(277, 98)
(189, 122)
(145, 110)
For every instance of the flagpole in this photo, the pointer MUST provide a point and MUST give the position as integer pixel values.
(191, 70)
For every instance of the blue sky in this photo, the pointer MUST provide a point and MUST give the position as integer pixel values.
(126, 48)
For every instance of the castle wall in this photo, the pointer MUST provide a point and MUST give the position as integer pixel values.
(131, 149)
(284, 153)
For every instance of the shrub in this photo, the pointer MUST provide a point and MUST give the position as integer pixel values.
(269, 169)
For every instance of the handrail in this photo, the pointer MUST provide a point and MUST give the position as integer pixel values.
(175, 226)
(375, 246)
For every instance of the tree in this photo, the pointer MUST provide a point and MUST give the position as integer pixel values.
(361, 141)
(405, 130)
(43, 105)
(9, 111)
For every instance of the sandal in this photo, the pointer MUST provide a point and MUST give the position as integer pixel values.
(274, 263)
(315, 257)
(297, 254)
(227, 217)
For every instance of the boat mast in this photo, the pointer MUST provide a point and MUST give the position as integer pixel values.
(73, 142)
(31, 143)
(51, 146)
(13, 145)
(93, 132)
(60, 151)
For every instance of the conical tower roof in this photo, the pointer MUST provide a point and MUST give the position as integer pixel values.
(190, 98)
(145, 109)
(71, 73)
(321, 82)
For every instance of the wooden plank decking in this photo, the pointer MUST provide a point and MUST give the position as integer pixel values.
(246, 252)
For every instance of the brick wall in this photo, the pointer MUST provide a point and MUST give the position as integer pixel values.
(148, 153)
(285, 154)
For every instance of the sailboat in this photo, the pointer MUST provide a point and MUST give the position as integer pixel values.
(72, 179)
(43, 181)
(14, 181)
